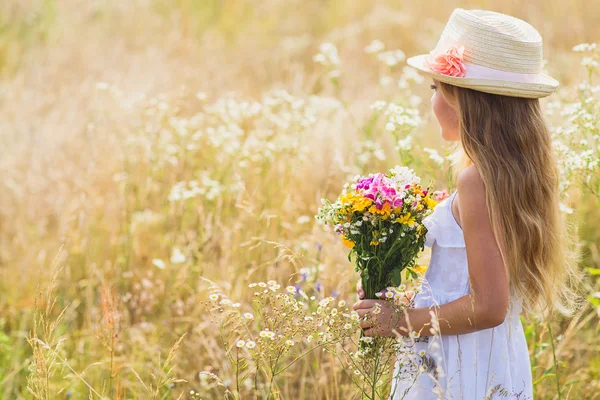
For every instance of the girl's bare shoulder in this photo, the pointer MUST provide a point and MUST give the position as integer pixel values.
(470, 179)
(471, 188)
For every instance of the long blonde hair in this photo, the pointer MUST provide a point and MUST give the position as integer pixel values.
(509, 142)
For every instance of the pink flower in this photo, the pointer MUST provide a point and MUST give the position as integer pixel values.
(449, 63)
(440, 195)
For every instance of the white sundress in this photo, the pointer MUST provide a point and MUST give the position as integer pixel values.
(487, 364)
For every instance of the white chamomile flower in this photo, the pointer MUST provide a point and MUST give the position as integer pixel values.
(374, 47)
(354, 316)
(252, 285)
(262, 284)
(225, 302)
(378, 294)
(240, 343)
(422, 353)
(271, 282)
(341, 303)
(402, 287)
(291, 289)
(236, 305)
(367, 339)
(250, 344)
(248, 316)
(263, 334)
(376, 309)
(389, 295)
(347, 326)
(415, 335)
(214, 297)
(289, 342)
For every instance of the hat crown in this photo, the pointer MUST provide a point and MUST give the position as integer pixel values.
(493, 40)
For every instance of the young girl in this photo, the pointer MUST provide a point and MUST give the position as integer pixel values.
(498, 243)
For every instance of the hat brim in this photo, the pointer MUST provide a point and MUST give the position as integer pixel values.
(538, 85)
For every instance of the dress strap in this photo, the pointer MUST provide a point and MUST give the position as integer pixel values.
(441, 226)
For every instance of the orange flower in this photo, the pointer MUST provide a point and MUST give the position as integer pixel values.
(347, 243)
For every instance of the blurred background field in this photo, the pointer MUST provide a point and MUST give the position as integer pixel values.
(158, 151)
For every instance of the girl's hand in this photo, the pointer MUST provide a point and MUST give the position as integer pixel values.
(359, 290)
(382, 319)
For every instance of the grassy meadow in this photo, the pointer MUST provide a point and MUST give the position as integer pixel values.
(160, 154)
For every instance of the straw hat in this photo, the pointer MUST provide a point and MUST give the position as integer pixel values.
(489, 52)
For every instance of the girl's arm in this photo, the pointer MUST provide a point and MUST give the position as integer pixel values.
(486, 305)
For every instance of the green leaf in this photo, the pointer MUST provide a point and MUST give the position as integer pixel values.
(542, 378)
(396, 277)
(594, 301)
(414, 275)
(593, 271)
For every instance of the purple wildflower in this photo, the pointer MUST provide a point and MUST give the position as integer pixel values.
(318, 286)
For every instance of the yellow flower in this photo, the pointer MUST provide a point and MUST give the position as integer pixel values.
(347, 243)
(406, 219)
(431, 203)
(361, 203)
(385, 211)
(420, 269)
(347, 198)
(374, 243)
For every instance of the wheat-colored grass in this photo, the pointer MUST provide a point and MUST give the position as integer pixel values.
(104, 280)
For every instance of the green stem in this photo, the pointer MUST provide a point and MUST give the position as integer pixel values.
(374, 383)
(554, 358)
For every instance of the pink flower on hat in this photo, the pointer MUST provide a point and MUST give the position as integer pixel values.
(449, 63)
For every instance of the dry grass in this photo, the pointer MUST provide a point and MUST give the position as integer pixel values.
(91, 167)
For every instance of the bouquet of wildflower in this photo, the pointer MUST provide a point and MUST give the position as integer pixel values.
(379, 218)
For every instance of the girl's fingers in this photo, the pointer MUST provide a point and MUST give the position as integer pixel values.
(359, 290)
(368, 304)
(366, 324)
(362, 312)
